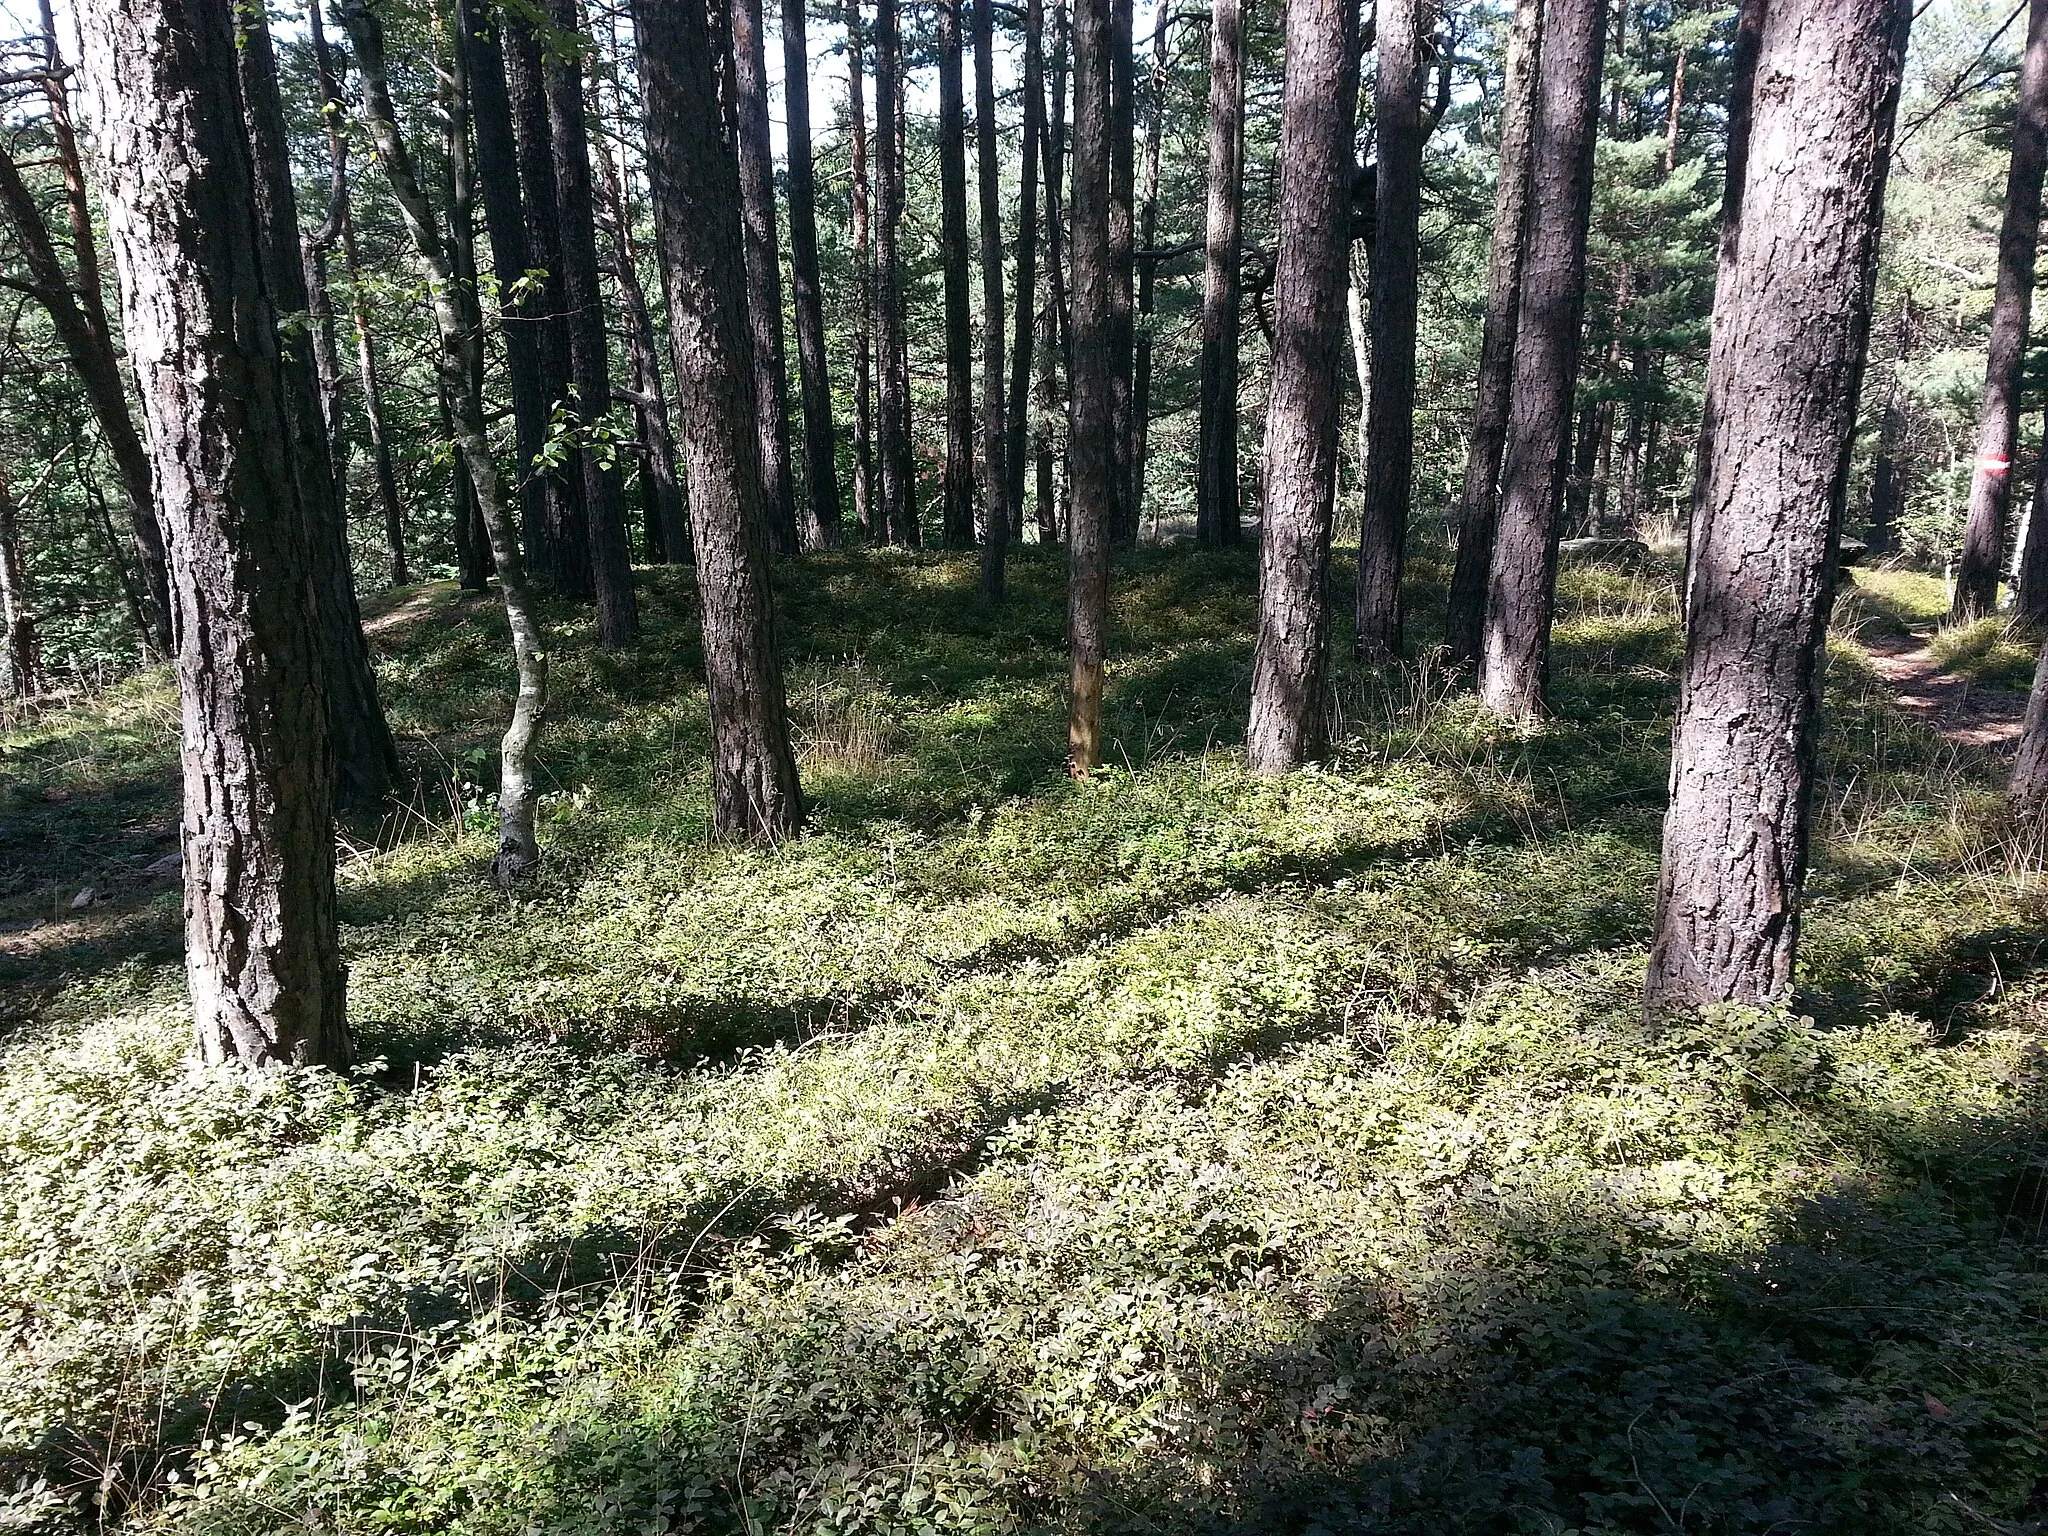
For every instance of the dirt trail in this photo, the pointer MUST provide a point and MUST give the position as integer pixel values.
(1957, 709)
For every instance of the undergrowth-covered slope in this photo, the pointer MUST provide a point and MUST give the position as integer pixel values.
(1174, 1151)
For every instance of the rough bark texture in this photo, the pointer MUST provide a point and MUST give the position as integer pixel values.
(1515, 658)
(261, 949)
(899, 472)
(561, 554)
(1123, 123)
(458, 361)
(365, 759)
(1216, 489)
(1792, 320)
(1480, 500)
(1148, 263)
(1091, 451)
(1403, 26)
(1017, 447)
(956, 494)
(867, 513)
(17, 607)
(754, 791)
(821, 516)
(1292, 640)
(994, 435)
(1055, 341)
(2030, 560)
(764, 272)
(2028, 788)
(609, 556)
(1998, 418)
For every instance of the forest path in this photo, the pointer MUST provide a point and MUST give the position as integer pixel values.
(1958, 709)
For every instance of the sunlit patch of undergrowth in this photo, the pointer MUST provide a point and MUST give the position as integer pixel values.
(1176, 1150)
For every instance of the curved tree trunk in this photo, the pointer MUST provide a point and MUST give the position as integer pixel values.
(754, 790)
(764, 271)
(1515, 660)
(1792, 322)
(1998, 420)
(365, 758)
(1292, 644)
(994, 435)
(957, 487)
(1091, 448)
(1216, 490)
(262, 953)
(1480, 500)
(458, 325)
(821, 448)
(1403, 25)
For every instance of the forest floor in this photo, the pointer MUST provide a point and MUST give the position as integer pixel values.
(1173, 1151)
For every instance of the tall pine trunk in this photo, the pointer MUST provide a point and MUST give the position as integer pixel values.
(899, 471)
(17, 605)
(1123, 122)
(868, 517)
(365, 759)
(821, 519)
(754, 790)
(262, 953)
(1998, 419)
(608, 554)
(1791, 324)
(1479, 501)
(1216, 489)
(1148, 263)
(1514, 662)
(994, 437)
(1403, 26)
(957, 485)
(1018, 446)
(1291, 647)
(1091, 448)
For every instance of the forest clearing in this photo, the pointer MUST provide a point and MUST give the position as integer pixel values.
(1036, 766)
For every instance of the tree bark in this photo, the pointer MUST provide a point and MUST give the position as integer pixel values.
(899, 471)
(1123, 510)
(1018, 444)
(17, 605)
(764, 272)
(1216, 489)
(867, 511)
(1148, 261)
(1292, 641)
(458, 361)
(263, 958)
(365, 758)
(1056, 331)
(821, 447)
(1515, 659)
(2030, 560)
(956, 498)
(994, 432)
(1998, 418)
(1403, 26)
(754, 789)
(1091, 447)
(609, 555)
(1792, 322)
(1479, 502)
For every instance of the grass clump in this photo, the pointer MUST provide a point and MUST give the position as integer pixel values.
(1173, 1151)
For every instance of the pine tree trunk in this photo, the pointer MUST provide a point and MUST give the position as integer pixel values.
(1887, 477)
(994, 432)
(609, 555)
(899, 472)
(1148, 264)
(1479, 502)
(458, 362)
(1217, 508)
(1091, 430)
(1123, 513)
(1291, 647)
(1020, 441)
(262, 953)
(2028, 787)
(867, 512)
(1998, 419)
(562, 555)
(2030, 559)
(957, 485)
(1403, 26)
(821, 448)
(1792, 322)
(17, 605)
(1056, 332)
(754, 790)
(1515, 659)
(764, 272)
(365, 758)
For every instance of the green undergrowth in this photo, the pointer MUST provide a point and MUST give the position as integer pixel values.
(1174, 1151)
